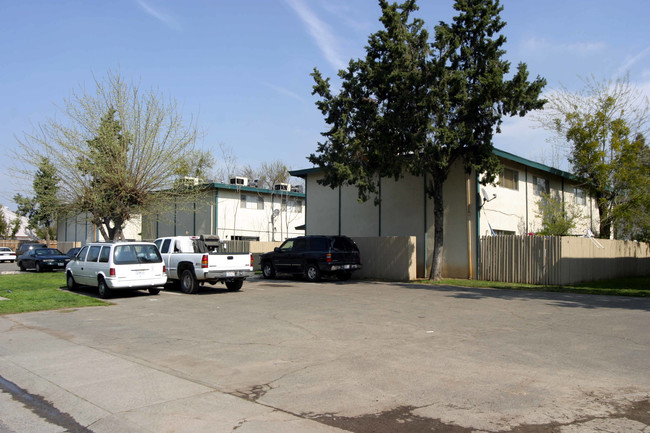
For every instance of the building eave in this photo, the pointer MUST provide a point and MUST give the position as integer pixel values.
(498, 152)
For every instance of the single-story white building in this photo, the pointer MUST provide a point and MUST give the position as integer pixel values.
(236, 211)
(405, 209)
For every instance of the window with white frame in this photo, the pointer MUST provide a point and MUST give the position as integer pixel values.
(579, 197)
(541, 186)
(509, 178)
(251, 202)
(295, 206)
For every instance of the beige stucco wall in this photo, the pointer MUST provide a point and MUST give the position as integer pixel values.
(404, 210)
(585, 259)
(460, 224)
(391, 258)
(322, 216)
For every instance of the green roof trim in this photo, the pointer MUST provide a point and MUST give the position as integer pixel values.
(498, 152)
(512, 157)
(304, 172)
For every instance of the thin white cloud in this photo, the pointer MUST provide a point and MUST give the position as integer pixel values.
(576, 48)
(625, 67)
(166, 19)
(320, 32)
(284, 91)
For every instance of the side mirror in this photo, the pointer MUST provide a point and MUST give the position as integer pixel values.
(276, 249)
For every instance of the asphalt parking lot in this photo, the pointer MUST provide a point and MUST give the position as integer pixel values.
(289, 356)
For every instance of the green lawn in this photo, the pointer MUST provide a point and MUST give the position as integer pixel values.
(37, 292)
(639, 286)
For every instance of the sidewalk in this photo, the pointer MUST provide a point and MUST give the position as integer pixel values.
(81, 389)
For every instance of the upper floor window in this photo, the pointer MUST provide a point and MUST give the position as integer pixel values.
(295, 206)
(580, 197)
(509, 179)
(541, 186)
(251, 202)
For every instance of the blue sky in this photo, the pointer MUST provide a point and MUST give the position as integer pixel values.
(242, 67)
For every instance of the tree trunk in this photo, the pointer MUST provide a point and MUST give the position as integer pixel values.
(47, 235)
(435, 272)
(605, 225)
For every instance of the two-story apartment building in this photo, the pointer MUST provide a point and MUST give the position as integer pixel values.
(234, 211)
(405, 210)
(511, 207)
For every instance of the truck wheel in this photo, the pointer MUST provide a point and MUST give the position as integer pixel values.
(234, 285)
(313, 272)
(268, 271)
(103, 290)
(38, 267)
(189, 284)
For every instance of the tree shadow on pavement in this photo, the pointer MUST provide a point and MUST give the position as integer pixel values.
(558, 299)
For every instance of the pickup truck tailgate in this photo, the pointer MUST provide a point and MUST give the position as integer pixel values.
(229, 265)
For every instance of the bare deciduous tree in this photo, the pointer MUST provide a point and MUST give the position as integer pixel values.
(118, 152)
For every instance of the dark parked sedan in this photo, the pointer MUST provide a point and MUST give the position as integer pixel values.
(42, 259)
(72, 252)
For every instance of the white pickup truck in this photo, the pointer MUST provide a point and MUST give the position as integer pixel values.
(191, 261)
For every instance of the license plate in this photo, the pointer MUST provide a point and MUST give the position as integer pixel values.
(230, 274)
(60, 264)
(346, 266)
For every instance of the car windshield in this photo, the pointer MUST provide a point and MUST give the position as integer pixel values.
(287, 245)
(47, 252)
(137, 253)
(5, 250)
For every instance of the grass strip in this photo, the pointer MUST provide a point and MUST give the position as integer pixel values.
(37, 292)
(637, 286)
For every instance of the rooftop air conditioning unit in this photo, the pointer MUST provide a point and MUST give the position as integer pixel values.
(240, 181)
(282, 187)
(187, 180)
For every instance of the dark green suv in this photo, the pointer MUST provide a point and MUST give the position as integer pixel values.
(313, 256)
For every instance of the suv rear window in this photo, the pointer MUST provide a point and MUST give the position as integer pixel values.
(320, 244)
(344, 244)
(132, 254)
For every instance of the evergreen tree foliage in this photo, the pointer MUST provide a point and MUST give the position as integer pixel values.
(415, 105)
(5, 226)
(43, 208)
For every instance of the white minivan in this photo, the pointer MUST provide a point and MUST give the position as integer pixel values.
(117, 266)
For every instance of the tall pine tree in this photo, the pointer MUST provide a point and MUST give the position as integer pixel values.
(417, 106)
(43, 207)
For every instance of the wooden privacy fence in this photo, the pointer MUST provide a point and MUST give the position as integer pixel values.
(520, 259)
(560, 260)
(250, 246)
(255, 247)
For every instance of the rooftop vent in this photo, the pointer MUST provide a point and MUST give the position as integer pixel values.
(282, 187)
(240, 181)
